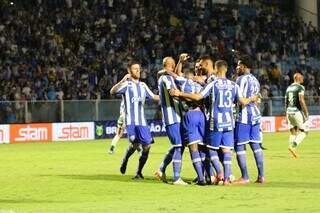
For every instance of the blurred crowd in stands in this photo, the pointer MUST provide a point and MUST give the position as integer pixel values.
(77, 49)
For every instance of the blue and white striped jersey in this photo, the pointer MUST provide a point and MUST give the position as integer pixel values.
(223, 93)
(134, 95)
(170, 107)
(249, 86)
(188, 86)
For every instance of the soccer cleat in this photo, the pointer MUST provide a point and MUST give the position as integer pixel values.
(180, 182)
(201, 183)
(218, 178)
(260, 180)
(138, 176)
(241, 181)
(227, 183)
(161, 176)
(111, 150)
(293, 152)
(123, 168)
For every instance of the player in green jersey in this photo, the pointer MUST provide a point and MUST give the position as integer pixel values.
(297, 113)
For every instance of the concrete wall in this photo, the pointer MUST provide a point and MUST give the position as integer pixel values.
(308, 10)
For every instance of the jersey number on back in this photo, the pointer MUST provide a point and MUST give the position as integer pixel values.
(225, 98)
(290, 97)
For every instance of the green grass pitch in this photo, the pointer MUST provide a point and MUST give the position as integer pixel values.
(82, 177)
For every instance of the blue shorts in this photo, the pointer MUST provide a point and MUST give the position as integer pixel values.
(224, 139)
(247, 133)
(139, 134)
(173, 132)
(193, 125)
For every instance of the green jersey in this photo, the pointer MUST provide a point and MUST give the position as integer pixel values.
(292, 97)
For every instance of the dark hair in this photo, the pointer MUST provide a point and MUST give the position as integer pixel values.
(205, 57)
(132, 63)
(221, 63)
(246, 60)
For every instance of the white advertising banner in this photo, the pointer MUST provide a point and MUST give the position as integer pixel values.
(314, 122)
(73, 131)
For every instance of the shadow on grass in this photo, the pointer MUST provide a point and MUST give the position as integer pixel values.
(109, 177)
(152, 180)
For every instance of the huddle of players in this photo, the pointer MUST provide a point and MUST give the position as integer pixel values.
(198, 111)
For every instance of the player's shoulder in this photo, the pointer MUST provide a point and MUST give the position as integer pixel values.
(241, 78)
(301, 87)
(143, 84)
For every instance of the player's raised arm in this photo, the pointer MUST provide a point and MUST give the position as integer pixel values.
(120, 85)
(182, 59)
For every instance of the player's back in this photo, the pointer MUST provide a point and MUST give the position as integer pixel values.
(170, 107)
(225, 92)
(292, 97)
(249, 86)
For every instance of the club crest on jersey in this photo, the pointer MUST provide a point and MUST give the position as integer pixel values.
(136, 99)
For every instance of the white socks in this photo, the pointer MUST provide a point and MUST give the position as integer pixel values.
(300, 137)
(115, 140)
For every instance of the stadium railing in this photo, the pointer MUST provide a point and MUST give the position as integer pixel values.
(99, 110)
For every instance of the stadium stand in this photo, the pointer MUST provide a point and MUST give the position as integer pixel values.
(64, 49)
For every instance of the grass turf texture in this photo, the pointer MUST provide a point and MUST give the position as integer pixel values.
(82, 177)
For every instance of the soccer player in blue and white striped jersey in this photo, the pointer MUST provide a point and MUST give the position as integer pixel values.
(171, 116)
(135, 93)
(223, 93)
(193, 121)
(247, 130)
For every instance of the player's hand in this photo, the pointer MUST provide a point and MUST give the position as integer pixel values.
(254, 98)
(199, 80)
(184, 57)
(175, 92)
(126, 77)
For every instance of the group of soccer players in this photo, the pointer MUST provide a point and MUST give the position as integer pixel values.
(201, 110)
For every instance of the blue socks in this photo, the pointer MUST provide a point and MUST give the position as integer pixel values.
(142, 161)
(214, 158)
(197, 164)
(242, 161)
(128, 153)
(258, 156)
(227, 165)
(176, 162)
(167, 159)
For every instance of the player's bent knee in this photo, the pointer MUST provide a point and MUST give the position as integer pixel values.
(193, 147)
(146, 147)
(225, 150)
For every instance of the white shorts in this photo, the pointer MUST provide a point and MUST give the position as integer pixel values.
(297, 119)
